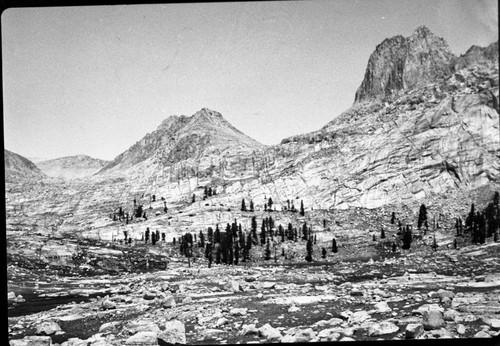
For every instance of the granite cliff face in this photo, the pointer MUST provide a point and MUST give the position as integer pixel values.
(400, 64)
(71, 167)
(19, 168)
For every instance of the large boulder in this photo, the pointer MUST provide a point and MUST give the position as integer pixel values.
(382, 328)
(382, 307)
(168, 302)
(432, 319)
(358, 317)
(47, 328)
(414, 330)
(233, 286)
(269, 332)
(175, 333)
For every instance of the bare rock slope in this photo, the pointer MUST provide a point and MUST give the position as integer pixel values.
(19, 168)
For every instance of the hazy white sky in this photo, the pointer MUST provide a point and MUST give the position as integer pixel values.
(94, 80)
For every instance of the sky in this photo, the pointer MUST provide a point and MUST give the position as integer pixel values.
(96, 79)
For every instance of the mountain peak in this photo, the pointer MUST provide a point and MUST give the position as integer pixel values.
(422, 31)
(402, 63)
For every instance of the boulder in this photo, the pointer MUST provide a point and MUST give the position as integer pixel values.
(461, 329)
(482, 334)
(444, 293)
(382, 307)
(413, 330)
(494, 323)
(249, 329)
(32, 341)
(432, 319)
(305, 335)
(293, 308)
(269, 332)
(238, 311)
(11, 296)
(107, 327)
(149, 295)
(47, 328)
(168, 302)
(358, 317)
(441, 333)
(108, 304)
(233, 286)
(143, 339)
(268, 285)
(187, 300)
(382, 328)
(221, 321)
(329, 334)
(175, 333)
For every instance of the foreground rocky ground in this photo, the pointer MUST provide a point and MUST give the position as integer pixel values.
(418, 294)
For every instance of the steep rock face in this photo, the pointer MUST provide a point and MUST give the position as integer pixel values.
(402, 63)
(71, 167)
(431, 140)
(18, 167)
(200, 145)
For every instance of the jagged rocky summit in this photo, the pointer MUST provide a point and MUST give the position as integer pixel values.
(71, 167)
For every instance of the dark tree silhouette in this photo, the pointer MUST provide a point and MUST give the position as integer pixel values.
(309, 249)
(334, 246)
(251, 205)
(407, 238)
(382, 233)
(243, 206)
(393, 218)
(267, 254)
(422, 216)
(323, 253)
(302, 212)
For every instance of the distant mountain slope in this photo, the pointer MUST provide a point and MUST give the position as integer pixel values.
(203, 142)
(72, 167)
(18, 168)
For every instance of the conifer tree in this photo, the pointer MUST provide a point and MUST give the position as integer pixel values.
(382, 233)
(302, 212)
(193, 199)
(210, 235)
(422, 216)
(236, 253)
(407, 238)
(147, 234)
(251, 206)
(270, 203)
(304, 231)
(267, 255)
(393, 218)
(323, 253)
(202, 239)
(309, 248)
(334, 246)
(243, 206)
